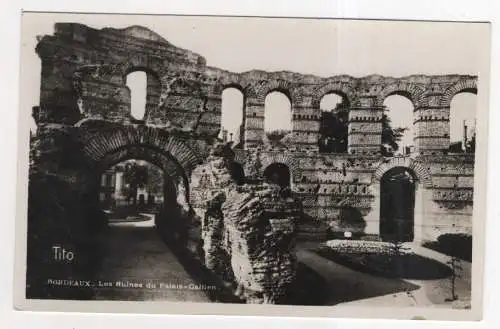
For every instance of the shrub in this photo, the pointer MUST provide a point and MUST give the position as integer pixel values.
(455, 245)
(277, 135)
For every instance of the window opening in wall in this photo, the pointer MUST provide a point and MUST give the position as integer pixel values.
(232, 116)
(463, 110)
(333, 129)
(137, 82)
(277, 116)
(397, 126)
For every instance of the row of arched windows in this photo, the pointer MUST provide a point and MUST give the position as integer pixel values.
(398, 121)
(398, 124)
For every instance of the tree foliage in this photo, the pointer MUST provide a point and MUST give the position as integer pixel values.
(471, 144)
(390, 136)
(278, 134)
(155, 181)
(135, 176)
(334, 129)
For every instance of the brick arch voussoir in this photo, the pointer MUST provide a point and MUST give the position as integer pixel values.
(110, 141)
(233, 82)
(261, 91)
(461, 85)
(421, 173)
(134, 65)
(411, 91)
(339, 88)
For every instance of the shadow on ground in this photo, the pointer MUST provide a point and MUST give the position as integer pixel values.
(344, 284)
(203, 276)
(404, 266)
(309, 288)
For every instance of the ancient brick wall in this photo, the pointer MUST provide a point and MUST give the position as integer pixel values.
(84, 72)
(329, 185)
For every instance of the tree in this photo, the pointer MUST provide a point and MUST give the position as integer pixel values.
(390, 136)
(471, 144)
(334, 129)
(155, 180)
(277, 135)
(456, 267)
(135, 176)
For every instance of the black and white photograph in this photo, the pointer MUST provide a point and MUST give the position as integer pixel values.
(330, 165)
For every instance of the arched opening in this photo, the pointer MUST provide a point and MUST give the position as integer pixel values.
(277, 174)
(277, 115)
(463, 110)
(397, 205)
(137, 82)
(232, 109)
(148, 226)
(142, 176)
(397, 126)
(334, 124)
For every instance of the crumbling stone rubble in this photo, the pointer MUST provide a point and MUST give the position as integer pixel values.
(248, 231)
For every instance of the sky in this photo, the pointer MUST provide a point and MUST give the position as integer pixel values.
(311, 46)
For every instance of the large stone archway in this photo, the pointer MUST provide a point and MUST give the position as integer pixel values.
(422, 191)
(176, 181)
(397, 205)
(105, 145)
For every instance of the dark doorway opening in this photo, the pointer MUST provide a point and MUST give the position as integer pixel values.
(237, 173)
(278, 174)
(397, 205)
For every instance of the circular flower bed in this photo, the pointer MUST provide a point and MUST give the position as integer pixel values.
(360, 246)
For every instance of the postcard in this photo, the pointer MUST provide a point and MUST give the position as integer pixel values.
(252, 166)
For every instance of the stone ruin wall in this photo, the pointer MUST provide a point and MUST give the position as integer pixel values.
(83, 80)
(247, 230)
(328, 183)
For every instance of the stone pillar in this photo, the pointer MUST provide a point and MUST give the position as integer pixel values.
(305, 126)
(254, 123)
(365, 127)
(118, 184)
(432, 126)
